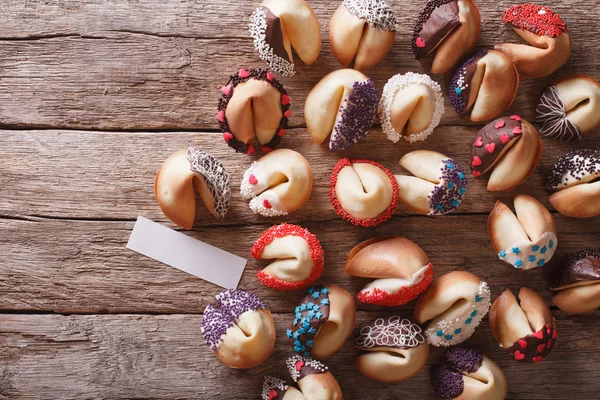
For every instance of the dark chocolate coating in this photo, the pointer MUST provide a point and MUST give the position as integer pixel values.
(441, 22)
(490, 135)
(274, 35)
(583, 265)
(532, 347)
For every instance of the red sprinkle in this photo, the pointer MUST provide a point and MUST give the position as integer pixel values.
(252, 179)
(476, 174)
(402, 296)
(522, 343)
(285, 99)
(266, 149)
(476, 161)
(227, 136)
(499, 124)
(281, 132)
(478, 142)
(250, 150)
(270, 76)
(316, 254)
(368, 222)
(243, 73)
(266, 204)
(490, 147)
(537, 19)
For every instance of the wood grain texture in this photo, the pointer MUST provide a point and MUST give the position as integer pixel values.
(158, 356)
(158, 65)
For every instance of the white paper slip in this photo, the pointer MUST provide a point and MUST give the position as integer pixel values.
(185, 253)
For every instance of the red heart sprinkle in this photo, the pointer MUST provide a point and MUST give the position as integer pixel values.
(270, 76)
(504, 138)
(227, 136)
(252, 179)
(499, 124)
(281, 132)
(299, 365)
(519, 356)
(221, 116)
(549, 329)
(522, 343)
(539, 334)
(476, 161)
(476, 174)
(490, 147)
(554, 334)
(250, 150)
(287, 113)
(285, 99)
(515, 117)
(538, 359)
(541, 347)
(478, 142)
(226, 90)
(420, 43)
(266, 149)
(266, 204)
(272, 394)
(549, 344)
(243, 73)
(517, 130)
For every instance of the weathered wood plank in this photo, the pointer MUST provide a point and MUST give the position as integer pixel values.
(68, 174)
(125, 74)
(84, 266)
(157, 356)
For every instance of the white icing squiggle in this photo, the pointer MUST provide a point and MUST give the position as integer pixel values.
(396, 332)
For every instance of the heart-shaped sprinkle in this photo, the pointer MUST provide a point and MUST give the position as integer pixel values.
(515, 117)
(549, 344)
(221, 116)
(522, 343)
(519, 356)
(270, 76)
(537, 359)
(287, 114)
(227, 136)
(517, 130)
(266, 149)
(539, 334)
(252, 179)
(541, 347)
(226, 90)
(490, 147)
(285, 99)
(476, 174)
(549, 329)
(504, 138)
(272, 394)
(476, 161)
(299, 365)
(554, 334)
(266, 204)
(243, 73)
(281, 132)
(420, 43)
(499, 124)
(478, 142)
(250, 150)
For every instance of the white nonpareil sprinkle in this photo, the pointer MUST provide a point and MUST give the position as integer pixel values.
(377, 13)
(258, 31)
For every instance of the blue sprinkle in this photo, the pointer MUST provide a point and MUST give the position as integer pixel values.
(535, 248)
(531, 258)
(303, 307)
(450, 166)
(295, 321)
(551, 244)
(298, 315)
(438, 206)
(502, 254)
(439, 332)
(462, 190)
(316, 295)
(310, 343)
(311, 314)
(297, 349)
(478, 298)
(312, 289)
(306, 353)
(455, 203)
(468, 321)
(324, 290)
(324, 302)
(462, 176)
(288, 333)
(450, 185)
(319, 315)
(314, 307)
(305, 321)
(543, 250)
(312, 331)
(541, 262)
(518, 263)
(516, 250)
(301, 331)
(296, 335)
(448, 337)
(474, 313)
(457, 331)
(458, 90)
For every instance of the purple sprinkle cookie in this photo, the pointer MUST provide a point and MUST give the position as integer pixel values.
(464, 360)
(460, 84)
(232, 304)
(448, 194)
(447, 384)
(357, 116)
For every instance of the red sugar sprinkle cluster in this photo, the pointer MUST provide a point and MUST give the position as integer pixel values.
(368, 222)
(404, 295)
(316, 254)
(537, 19)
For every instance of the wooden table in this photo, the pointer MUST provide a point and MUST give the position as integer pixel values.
(95, 94)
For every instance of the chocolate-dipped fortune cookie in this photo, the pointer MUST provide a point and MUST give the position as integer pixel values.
(577, 282)
(174, 186)
(524, 327)
(508, 147)
(276, 389)
(313, 378)
(277, 27)
(362, 31)
(395, 350)
(448, 27)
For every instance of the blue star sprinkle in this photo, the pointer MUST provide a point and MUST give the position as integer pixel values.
(535, 248)
(502, 254)
(543, 250)
(531, 258)
(516, 250)
(540, 262)
(518, 263)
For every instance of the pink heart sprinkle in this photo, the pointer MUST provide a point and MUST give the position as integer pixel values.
(285, 99)
(287, 114)
(266, 204)
(250, 150)
(537, 359)
(272, 394)
(541, 347)
(476, 174)
(281, 132)
(519, 356)
(517, 130)
(490, 147)
(478, 142)
(539, 334)
(266, 149)
(221, 116)
(227, 136)
(522, 343)
(476, 161)
(226, 90)
(252, 179)
(299, 365)
(243, 73)
(504, 138)
(515, 117)
(499, 124)
(420, 43)
(270, 76)
(549, 344)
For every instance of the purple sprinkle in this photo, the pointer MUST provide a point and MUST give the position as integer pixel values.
(357, 116)
(448, 194)
(457, 99)
(232, 304)
(464, 360)
(446, 383)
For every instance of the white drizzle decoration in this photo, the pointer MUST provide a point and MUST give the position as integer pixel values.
(551, 114)
(377, 13)
(215, 176)
(397, 332)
